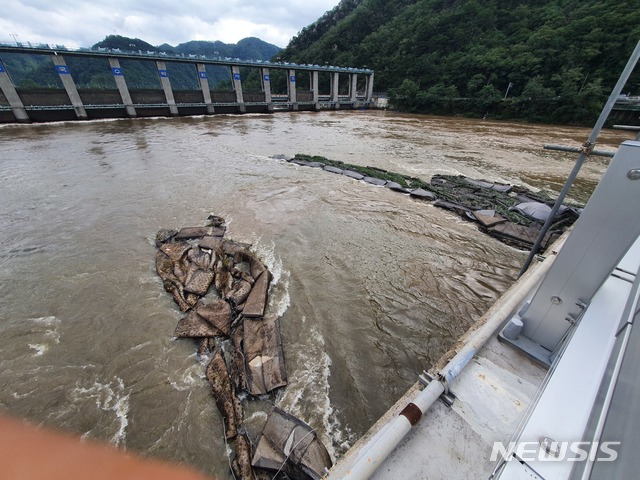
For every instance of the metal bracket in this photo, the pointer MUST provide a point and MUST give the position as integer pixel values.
(426, 378)
(600, 238)
(587, 148)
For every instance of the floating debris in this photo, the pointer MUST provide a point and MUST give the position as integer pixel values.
(375, 181)
(352, 174)
(257, 299)
(231, 323)
(198, 232)
(223, 392)
(329, 168)
(290, 446)
(423, 194)
(264, 355)
(509, 213)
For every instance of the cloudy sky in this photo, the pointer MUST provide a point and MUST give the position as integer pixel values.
(81, 23)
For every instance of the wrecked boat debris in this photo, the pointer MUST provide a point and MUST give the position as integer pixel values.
(222, 288)
(509, 213)
(290, 446)
(263, 355)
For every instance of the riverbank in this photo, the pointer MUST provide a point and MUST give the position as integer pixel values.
(517, 109)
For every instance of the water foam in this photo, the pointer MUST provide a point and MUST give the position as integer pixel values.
(311, 378)
(109, 397)
(48, 320)
(258, 415)
(194, 375)
(279, 298)
(39, 348)
(19, 396)
(140, 346)
(51, 335)
(309, 385)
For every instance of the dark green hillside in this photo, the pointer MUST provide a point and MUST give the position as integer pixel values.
(250, 48)
(253, 48)
(314, 32)
(201, 47)
(561, 57)
(125, 43)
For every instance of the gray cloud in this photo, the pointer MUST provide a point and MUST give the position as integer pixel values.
(83, 23)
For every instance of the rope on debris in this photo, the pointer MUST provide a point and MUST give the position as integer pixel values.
(227, 449)
(292, 449)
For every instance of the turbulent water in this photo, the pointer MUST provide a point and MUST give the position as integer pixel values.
(372, 285)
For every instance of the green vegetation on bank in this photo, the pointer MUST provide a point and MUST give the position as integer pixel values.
(553, 60)
(402, 180)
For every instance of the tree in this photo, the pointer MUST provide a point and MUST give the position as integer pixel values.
(536, 89)
(475, 83)
(405, 95)
(440, 91)
(550, 48)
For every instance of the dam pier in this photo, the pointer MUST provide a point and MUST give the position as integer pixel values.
(295, 87)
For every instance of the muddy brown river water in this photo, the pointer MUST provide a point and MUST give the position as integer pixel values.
(372, 286)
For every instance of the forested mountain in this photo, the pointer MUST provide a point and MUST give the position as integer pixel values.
(557, 58)
(250, 48)
(124, 43)
(36, 71)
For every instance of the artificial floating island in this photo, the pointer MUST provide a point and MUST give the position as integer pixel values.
(510, 213)
(222, 287)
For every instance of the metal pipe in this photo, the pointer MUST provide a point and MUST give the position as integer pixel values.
(380, 446)
(563, 148)
(606, 110)
(627, 127)
(371, 455)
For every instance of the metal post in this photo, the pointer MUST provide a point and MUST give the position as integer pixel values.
(507, 92)
(118, 75)
(588, 146)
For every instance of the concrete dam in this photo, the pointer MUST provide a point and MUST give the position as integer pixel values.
(300, 87)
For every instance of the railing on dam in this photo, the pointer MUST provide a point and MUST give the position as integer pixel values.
(345, 87)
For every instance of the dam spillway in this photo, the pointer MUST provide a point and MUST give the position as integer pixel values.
(345, 88)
